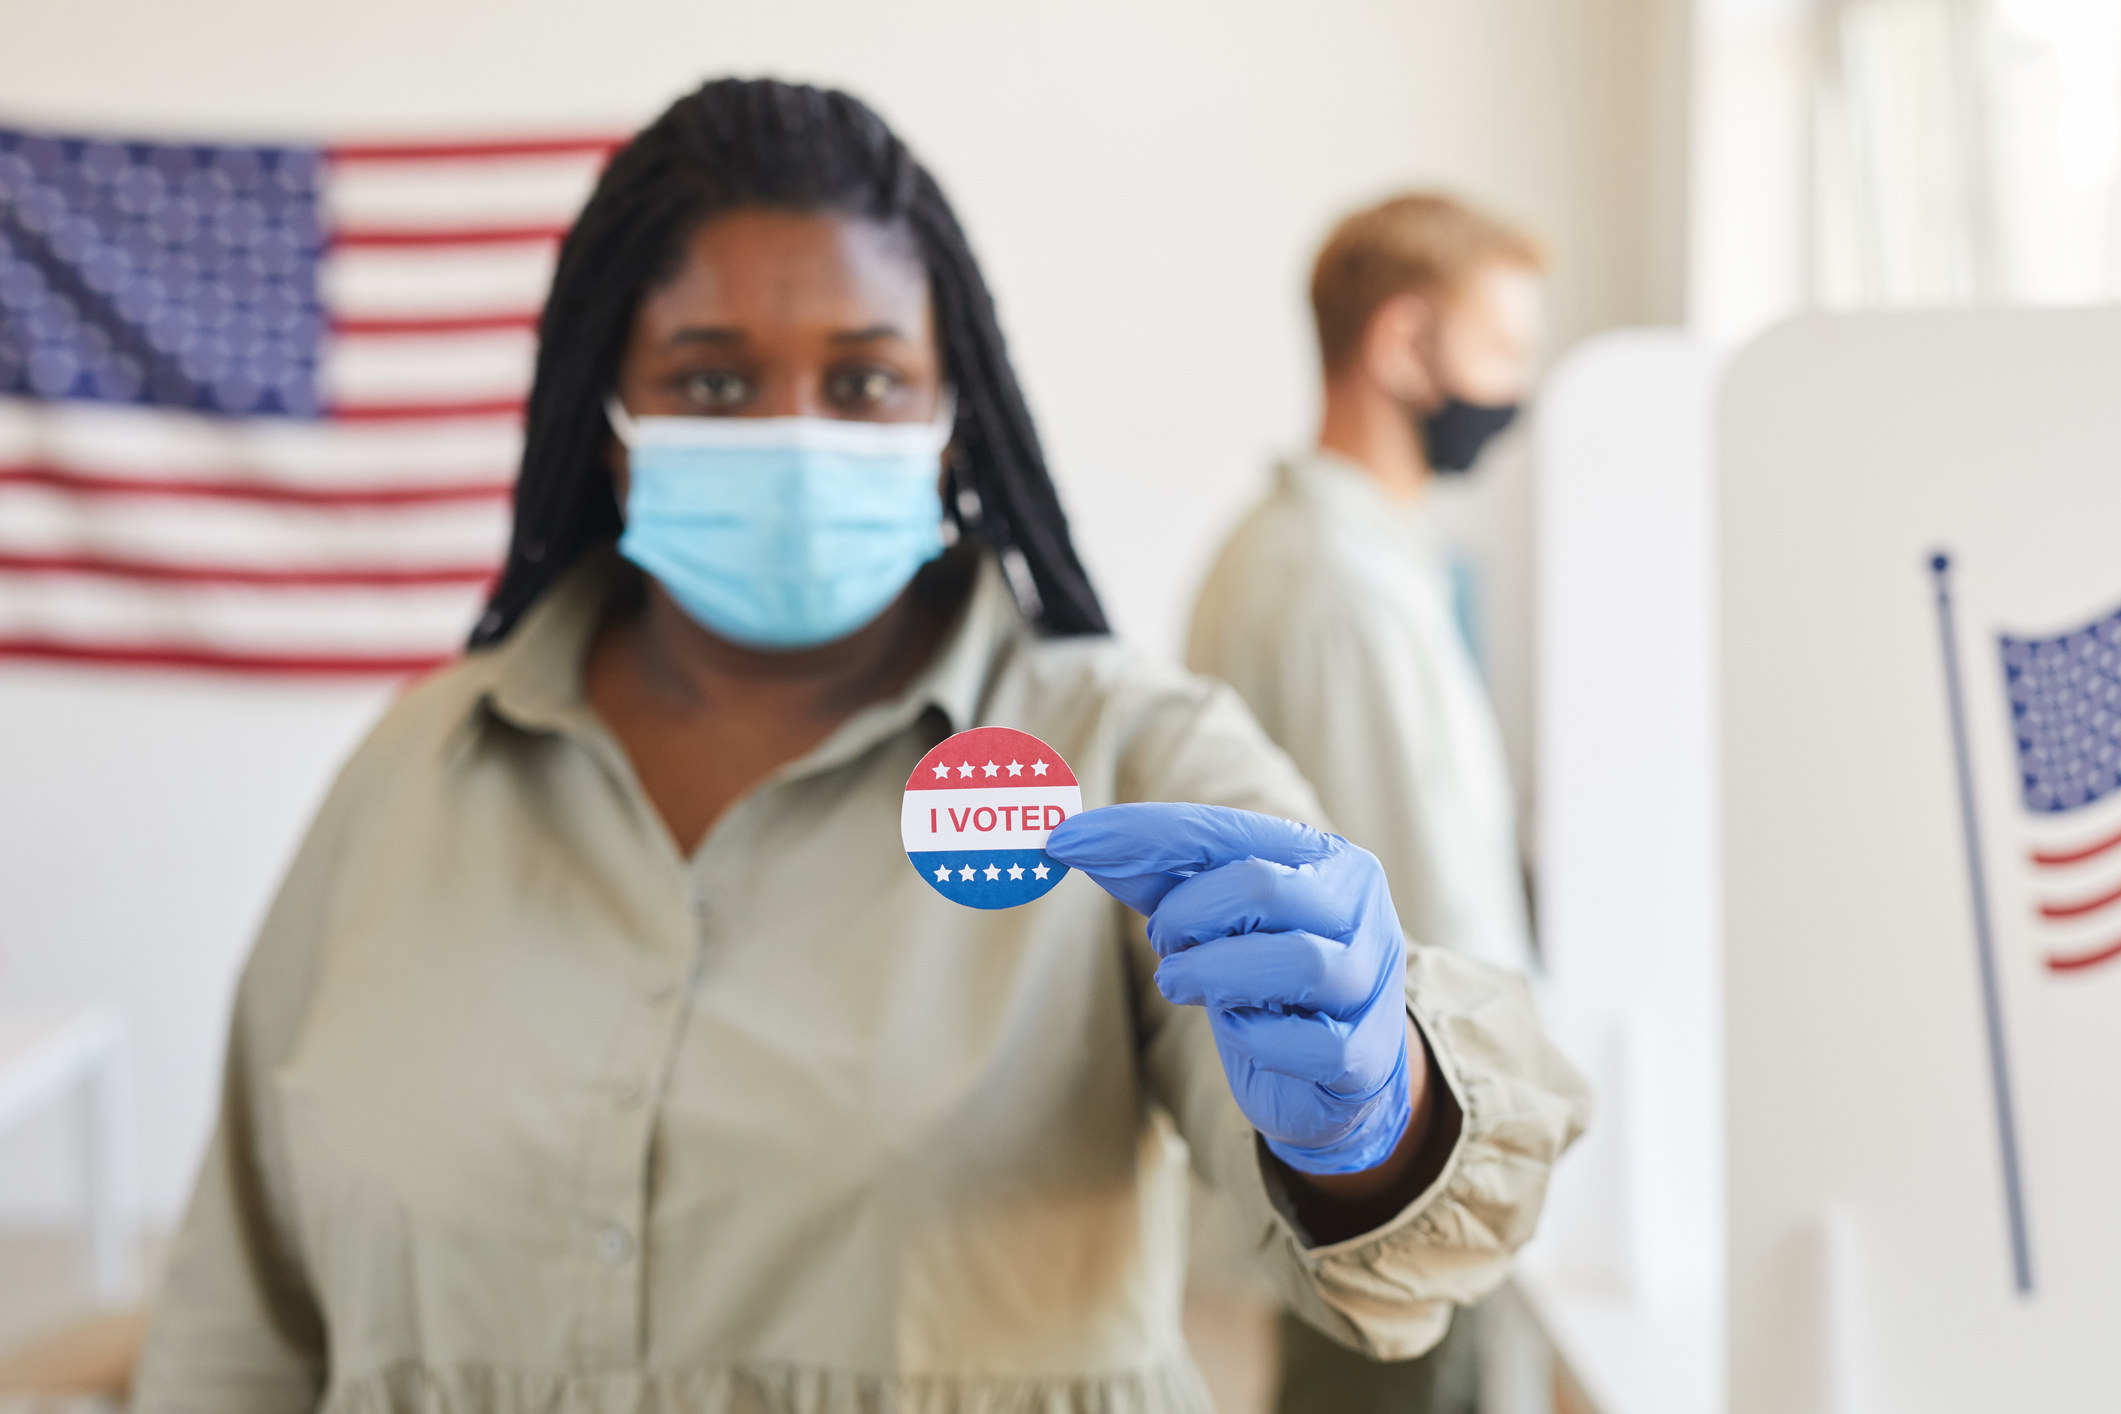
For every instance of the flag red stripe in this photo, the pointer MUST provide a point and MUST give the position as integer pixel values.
(422, 412)
(2071, 962)
(409, 238)
(458, 151)
(154, 655)
(2075, 856)
(366, 577)
(436, 323)
(256, 492)
(2081, 907)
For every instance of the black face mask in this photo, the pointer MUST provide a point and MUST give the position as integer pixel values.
(1455, 433)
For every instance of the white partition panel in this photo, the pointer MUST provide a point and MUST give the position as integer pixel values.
(1923, 1048)
(1626, 1275)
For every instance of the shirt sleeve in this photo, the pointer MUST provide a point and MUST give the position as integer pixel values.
(1388, 1292)
(237, 1328)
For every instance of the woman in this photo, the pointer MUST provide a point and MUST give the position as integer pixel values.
(602, 1051)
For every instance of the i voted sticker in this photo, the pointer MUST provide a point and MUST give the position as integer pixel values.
(977, 812)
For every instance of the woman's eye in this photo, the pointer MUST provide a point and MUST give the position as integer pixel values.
(717, 390)
(860, 389)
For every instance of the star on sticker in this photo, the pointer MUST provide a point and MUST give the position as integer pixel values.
(1016, 768)
(993, 770)
(1040, 872)
(965, 873)
(965, 770)
(1016, 871)
(993, 872)
(1038, 768)
(941, 771)
(942, 873)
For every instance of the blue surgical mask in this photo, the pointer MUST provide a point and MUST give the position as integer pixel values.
(782, 532)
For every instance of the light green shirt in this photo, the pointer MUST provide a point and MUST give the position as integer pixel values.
(526, 1111)
(1330, 611)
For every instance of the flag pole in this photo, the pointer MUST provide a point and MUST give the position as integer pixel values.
(1984, 938)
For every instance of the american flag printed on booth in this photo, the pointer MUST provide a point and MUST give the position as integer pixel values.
(2065, 700)
(260, 404)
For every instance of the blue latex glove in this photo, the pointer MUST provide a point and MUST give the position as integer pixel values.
(1287, 936)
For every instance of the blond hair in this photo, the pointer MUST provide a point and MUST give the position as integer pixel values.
(1420, 243)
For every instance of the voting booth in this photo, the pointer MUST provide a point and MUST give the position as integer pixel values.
(1834, 894)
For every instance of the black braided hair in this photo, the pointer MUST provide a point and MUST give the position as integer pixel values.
(761, 143)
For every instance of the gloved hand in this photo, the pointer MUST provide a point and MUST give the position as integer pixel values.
(1287, 936)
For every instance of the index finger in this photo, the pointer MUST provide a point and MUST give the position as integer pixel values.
(1141, 851)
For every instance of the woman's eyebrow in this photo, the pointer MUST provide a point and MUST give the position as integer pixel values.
(874, 331)
(708, 335)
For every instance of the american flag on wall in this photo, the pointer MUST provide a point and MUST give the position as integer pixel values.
(260, 406)
(2065, 698)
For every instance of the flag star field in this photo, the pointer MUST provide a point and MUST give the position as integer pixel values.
(978, 809)
(2065, 695)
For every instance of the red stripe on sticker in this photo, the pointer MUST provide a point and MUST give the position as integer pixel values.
(991, 756)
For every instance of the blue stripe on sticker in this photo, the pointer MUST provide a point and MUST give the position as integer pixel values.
(988, 878)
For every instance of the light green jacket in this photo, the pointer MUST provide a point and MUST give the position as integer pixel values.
(526, 1111)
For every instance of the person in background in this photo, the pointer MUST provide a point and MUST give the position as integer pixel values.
(602, 1049)
(1331, 611)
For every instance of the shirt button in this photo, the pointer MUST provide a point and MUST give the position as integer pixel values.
(614, 1244)
(661, 991)
(628, 1095)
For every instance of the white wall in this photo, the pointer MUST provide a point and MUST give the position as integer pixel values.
(143, 824)
(1750, 238)
(1144, 179)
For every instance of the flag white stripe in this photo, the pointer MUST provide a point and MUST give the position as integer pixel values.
(313, 455)
(240, 535)
(427, 368)
(2080, 934)
(501, 191)
(446, 280)
(310, 622)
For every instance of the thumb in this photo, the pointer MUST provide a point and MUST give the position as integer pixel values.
(1138, 853)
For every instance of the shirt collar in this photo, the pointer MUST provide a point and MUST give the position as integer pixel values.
(1347, 492)
(1331, 477)
(988, 629)
(954, 684)
(536, 674)
(536, 680)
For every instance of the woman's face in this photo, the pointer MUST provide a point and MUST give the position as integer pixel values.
(786, 314)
